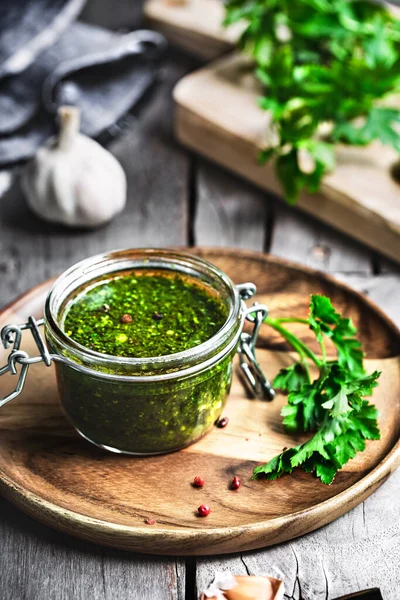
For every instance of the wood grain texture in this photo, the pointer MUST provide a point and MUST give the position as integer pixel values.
(38, 563)
(229, 212)
(210, 105)
(195, 25)
(49, 472)
(299, 237)
(388, 266)
(383, 289)
(356, 552)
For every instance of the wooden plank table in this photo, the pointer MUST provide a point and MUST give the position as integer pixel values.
(178, 199)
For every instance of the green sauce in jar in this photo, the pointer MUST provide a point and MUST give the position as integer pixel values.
(143, 314)
(140, 314)
(145, 418)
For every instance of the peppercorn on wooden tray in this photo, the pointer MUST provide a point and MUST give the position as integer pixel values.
(48, 471)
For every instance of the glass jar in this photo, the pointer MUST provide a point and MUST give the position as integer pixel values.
(142, 406)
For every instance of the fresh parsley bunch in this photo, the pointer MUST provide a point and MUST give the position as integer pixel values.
(332, 405)
(321, 62)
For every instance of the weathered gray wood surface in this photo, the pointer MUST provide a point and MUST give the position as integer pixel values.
(229, 211)
(175, 199)
(36, 563)
(361, 549)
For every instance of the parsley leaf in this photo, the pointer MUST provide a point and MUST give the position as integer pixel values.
(291, 378)
(339, 403)
(380, 124)
(302, 410)
(335, 443)
(322, 317)
(321, 313)
(332, 405)
(321, 62)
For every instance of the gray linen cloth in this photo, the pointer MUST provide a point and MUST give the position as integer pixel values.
(47, 59)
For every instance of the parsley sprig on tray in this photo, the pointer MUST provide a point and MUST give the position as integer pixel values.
(323, 64)
(332, 404)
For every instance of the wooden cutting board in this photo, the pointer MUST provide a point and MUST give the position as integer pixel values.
(196, 25)
(48, 471)
(218, 116)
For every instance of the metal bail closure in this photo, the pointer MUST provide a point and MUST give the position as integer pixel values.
(11, 335)
(253, 375)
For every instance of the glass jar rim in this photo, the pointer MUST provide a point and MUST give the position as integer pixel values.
(114, 261)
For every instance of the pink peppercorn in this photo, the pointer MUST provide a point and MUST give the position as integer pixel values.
(235, 485)
(126, 318)
(198, 482)
(204, 510)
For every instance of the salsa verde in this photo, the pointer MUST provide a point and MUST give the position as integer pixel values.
(144, 314)
(140, 314)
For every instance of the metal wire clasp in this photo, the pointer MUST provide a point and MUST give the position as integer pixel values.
(251, 370)
(11, 335)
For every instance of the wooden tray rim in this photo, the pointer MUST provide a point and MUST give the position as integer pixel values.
(385, 468)
(62, 518)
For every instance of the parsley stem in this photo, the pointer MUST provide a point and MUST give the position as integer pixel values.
(323, 350)
(293, 340)
(306, 367)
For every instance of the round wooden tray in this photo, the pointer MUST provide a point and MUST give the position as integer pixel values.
(48, 471)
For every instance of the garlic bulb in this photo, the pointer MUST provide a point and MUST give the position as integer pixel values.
(73, 180)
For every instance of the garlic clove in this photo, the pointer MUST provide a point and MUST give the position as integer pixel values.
(244, 587)
(73, 180)
(255, 588)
